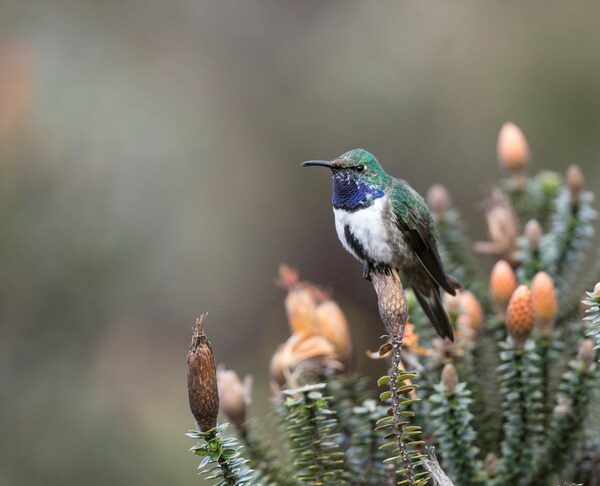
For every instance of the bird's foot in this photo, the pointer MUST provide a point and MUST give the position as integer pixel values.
(366, 271)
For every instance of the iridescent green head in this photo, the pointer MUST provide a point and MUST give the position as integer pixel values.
(358, 179)
(358, 163)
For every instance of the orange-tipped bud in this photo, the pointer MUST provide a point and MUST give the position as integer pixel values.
(533, 232)
(544, 302)
(438, 200)
(597, 289)
(470, 318)
(333, 326)
(503, 283)
(449, 377)
(513, 150)
(234, 395)
(519, 315)
(574, 182)
(587, 354)
(202, 379)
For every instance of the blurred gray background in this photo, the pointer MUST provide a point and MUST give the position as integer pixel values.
(149, 161)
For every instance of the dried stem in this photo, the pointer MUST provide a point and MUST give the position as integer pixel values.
(393, 310)
(431, 464)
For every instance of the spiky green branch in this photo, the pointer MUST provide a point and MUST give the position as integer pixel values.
(221, 459)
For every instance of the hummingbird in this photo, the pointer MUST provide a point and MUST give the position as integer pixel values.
(382, 221)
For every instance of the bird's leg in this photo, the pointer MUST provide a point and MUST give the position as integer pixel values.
(367, 271)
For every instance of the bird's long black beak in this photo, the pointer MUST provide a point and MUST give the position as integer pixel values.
(321, 163)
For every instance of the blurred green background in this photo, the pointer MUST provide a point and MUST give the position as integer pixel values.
(149, 156)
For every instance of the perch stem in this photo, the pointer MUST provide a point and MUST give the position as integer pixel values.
(393, 310)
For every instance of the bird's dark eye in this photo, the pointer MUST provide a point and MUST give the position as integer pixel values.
(360, 168)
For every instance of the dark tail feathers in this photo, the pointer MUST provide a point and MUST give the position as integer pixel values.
(428, 295)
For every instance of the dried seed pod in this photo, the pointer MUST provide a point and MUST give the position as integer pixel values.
(234, 395)
(333, 326)
(544, 302)
(503, 283)
(574, 182)
(391, 300)
(586, 354)
(513, 150)
(438, 200)
(449, 377)
(202, 379)
(533, 232)
(519, 316)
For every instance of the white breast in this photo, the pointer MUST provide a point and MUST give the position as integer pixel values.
(368, 227)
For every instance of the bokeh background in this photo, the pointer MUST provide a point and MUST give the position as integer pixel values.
(149, 162)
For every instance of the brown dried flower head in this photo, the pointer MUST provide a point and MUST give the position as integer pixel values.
(333, 326)
(533, 232)
(587, 354)
(301, 301)
(438, 200)
(470, 318)
(449, 377)
(574, 182)
(300, 309)
(503, 283)
(519, 316)
(513, 150)
(302, 359)
(234, 395)
(202, 379)
(544, 302)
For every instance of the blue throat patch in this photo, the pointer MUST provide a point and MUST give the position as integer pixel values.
(351, 194)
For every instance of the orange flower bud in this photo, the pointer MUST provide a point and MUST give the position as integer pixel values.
(438, 200)
(449, 377)
(513, 150)
(470, 318)
(503, 283)
(543, 300)
(519, 315)
(332, 325)
(574, 182)
(202, 379)
(597, 289)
